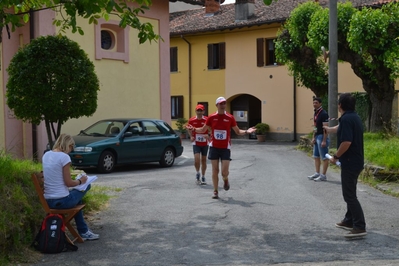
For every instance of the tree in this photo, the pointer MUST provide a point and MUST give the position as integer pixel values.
(367, 39)
(46, 84)
(16, 12)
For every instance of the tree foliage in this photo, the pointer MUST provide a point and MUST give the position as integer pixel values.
(292, 49)
(51, 79)
(367, 40)
(15, 13)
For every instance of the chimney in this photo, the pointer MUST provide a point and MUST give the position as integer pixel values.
(212, 7)
(244, 9)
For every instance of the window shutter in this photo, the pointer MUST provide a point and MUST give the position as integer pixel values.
(222, 55)
(260, 55)
(180, 107)
(173, 59)
(210, 56)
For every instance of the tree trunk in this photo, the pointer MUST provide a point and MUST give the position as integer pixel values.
(378, 85)
(381, 111)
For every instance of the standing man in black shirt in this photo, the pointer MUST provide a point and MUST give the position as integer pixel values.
(320, 141)
(351, 155)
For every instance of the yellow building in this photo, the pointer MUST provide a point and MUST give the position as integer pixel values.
(230, 53)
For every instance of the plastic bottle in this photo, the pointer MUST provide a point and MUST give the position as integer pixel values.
(328, 156)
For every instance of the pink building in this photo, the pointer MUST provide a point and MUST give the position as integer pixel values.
(133, 77)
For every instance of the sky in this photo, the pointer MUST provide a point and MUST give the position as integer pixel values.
(229, 2)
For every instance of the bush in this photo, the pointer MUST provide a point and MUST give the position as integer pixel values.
(262, 128)
(180, 123)
(21, 211)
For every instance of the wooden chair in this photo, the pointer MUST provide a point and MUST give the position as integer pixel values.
(67, 214)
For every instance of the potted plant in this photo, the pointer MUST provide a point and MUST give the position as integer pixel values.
(261, 129)
(181, 126)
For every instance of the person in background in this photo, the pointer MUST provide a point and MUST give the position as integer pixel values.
(57, 181)
(350, 154)
(320, 141)
(220, 124)
(200, 143)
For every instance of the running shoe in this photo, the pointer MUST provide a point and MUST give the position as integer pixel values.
(197, 179)
(320, 178)
(203, 182)
(215, 195)
(226, 185)
(315, 175)
(89, 235)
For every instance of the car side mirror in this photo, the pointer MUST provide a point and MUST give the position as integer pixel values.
(128, 134)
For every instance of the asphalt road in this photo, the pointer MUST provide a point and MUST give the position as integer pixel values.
(272, 214)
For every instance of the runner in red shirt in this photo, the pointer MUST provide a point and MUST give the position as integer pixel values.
(200, 143)
(220, 123)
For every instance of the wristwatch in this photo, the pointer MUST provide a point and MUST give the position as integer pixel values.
(336, 157)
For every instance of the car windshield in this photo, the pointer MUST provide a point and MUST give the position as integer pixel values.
(103, 129)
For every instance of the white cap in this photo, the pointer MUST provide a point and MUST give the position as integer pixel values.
(220, 100)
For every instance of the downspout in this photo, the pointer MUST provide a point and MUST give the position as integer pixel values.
(34, 127)
(294, 95)
(189, 76)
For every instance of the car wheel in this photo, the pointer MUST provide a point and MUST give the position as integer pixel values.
(106, 163)
(168, 158)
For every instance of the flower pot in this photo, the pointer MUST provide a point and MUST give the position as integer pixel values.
(261, 138)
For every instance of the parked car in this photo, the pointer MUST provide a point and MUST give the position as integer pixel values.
(112, 142)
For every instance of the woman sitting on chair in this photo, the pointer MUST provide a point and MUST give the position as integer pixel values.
(57, 181)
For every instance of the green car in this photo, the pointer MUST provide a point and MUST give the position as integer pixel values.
(112, 142)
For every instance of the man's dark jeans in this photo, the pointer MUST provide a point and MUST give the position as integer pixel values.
(354, 215)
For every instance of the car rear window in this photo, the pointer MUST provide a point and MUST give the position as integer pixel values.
(167, 127)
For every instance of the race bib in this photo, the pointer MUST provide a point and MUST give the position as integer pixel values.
(200, 138)
(220, 134)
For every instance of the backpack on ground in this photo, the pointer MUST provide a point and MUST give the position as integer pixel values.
(51, 237)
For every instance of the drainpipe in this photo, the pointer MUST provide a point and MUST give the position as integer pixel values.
(34, 127)
(294, 95)
(189, 75)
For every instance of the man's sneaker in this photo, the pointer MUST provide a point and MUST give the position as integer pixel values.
(197, 179)
(215, 195)
(320, 178)
(203, 182)
(315, 175)
(344, 226)
(356, 233)
(89, 235)
(226, 185)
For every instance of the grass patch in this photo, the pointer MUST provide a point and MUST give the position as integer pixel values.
(379, 150)
(21, 212)
(382, 150)
(98, 197)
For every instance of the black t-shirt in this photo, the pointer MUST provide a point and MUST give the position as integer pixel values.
(350, 129)
(320, 116)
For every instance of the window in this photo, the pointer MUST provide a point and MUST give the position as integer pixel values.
(112, 41)
(107, 40)
(217, 55)
(177, 107)
(150, 128)
(265, 53)
(173, 59)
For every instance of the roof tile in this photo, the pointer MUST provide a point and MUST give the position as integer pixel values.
(195, 21)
